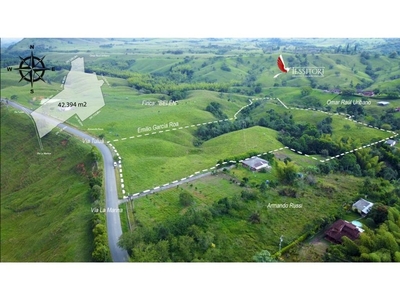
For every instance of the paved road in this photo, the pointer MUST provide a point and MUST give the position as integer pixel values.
(114, 229)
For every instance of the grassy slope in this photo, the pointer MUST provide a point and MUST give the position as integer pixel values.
(45, 207)
(152, 161)
(235, 235)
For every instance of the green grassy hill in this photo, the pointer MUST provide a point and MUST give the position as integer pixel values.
(45, 206)
(155, 160)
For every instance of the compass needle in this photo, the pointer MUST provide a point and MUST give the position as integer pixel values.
(32, 69)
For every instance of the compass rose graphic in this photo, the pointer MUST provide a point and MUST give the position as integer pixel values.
(31, 68)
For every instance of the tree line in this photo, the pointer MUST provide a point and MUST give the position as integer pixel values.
(101, 252)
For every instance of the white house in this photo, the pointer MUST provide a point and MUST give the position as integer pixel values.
(256, 163)
(362, 206)
(383, 103)
(391, 143)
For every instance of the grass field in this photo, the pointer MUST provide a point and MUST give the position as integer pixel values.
(156, 159)
(45, 206)
(236, 237)
(152, 161)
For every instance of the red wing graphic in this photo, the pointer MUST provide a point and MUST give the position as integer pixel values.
(281, 64)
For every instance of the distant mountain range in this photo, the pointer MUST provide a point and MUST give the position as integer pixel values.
(6, 42)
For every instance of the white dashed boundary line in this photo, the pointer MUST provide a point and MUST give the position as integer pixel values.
(198, 124)
(258, 155)
(119, 166)
(347, 117)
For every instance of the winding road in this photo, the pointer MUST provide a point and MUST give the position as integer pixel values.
(114, 228)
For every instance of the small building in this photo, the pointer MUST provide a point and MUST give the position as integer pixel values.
(368, 93)
(342, 228)
(335, 91)
(383, 103)
(362, 206)
(256, 164)
(390, 143)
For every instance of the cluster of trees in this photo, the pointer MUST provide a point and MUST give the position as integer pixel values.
(225, 67)
(390, 156)
(388, 120)
(163, 85)
(348, 49)
(389, 94)
(106, 45)
(215, 109)
(209, 131)
(378, 161)
(95, 176)
(182, 239)
(189, 236)
(175, 52)
(382, 190)
(286, 171)
(379, 245)
(181, 73)
(312, 139)
(100, 251)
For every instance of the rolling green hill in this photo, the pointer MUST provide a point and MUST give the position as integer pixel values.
(45, 209)
(155, 160)
(45, 206)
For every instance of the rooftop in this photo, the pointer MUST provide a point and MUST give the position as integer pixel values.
(342, 228)
(390, 142)
(256, 163)
(363, 205)
(383, 103)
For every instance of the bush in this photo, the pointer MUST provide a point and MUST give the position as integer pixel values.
(95, 192)
(186, 199)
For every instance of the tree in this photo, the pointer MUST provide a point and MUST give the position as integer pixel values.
(286, 172)
(185, 198)
(257, 89)
(392, 95)
(378, 213)
(95, 154)
(95, 192)
(305, 91)
(100, 253)
(348, 162)
(351, 247)
(348, 91)
(324, 153)
(99, 229)
(255, 218)
(263, 187)
(263, 256)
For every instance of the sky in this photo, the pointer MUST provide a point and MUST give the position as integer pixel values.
(206, 18)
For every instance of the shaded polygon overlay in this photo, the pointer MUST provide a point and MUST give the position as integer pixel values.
(81, 95)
